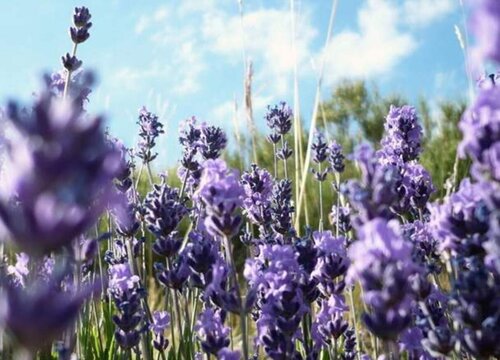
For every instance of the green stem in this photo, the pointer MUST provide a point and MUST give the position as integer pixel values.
(68, 74)
(230, 259)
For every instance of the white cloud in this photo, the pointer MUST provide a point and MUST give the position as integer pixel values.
(424, 12)
(265, 36)
(374, 49)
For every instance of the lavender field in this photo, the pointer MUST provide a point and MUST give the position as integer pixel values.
(368, 230)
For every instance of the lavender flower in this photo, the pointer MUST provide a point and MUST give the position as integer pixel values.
(258, 187)
(124, 289)
(70, 63)
(150, 129)
(161, 321)
(381, 261)
(336, 157)
(164, 212)
(485, 25)
(276, 276)
(61, 169)
(340, 217)
(320, 149)
(38, 314)
(376, 194)
(282, 208)
(221, 193)
(476, 307)
(332, 262)
(213, 141)
(201, 254)
(461, 222)
(80, 32)
(211, 332)
(279, 118)
(329, 323)
(416, 187)
(480, 126)
(402, 134)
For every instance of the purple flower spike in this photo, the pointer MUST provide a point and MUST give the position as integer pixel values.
(382, 263)
(258, 187)
(36, 317)
(213, 141)
(222, 194)
(403, 134)
(319, 148)
(212, 333)
(336, 157)
(279, 118)
(61, 170)
(150, 129)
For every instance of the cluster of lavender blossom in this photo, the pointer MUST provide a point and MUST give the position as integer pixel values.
(392, 274)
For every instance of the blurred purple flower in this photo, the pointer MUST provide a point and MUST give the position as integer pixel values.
(485, 25)
(38, 314)
(480, 125)
(61, 170)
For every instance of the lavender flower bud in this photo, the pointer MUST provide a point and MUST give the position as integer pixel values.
(81, 16)
(81, 34)
(211, 332)
(149, 130)
(279, 118)
(213, 141)
(319, 149)
(71, 63)
(336, 157)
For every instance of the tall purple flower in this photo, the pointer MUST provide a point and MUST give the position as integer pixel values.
(279, 118)
(258, 187)
(213, 141)
(222, 194)
(276, 275)
(61, 170)
(164, 212)
(336, 157)
(377, 192)
(81, 19)
(38, 314)
(461, 222)
(124, 290)
(329, 323)
(331, 263)
(211, 332)
(161, 321)
(382, 263)
(149, 130)
(416, 187)
(282, 208)
(402, 134)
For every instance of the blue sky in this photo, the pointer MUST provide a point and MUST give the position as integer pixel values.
(184, 58)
